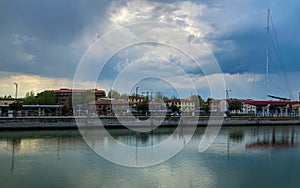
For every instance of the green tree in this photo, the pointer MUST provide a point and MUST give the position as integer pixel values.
(199, 102)
(65, 110)
(174, 108)
(46, 97)
(16, 106)
(206, 105)
(6, 97)
(234, 104)
(113, 94)
(30, 98)
(165, 98)
(143, 106)
(173, 97)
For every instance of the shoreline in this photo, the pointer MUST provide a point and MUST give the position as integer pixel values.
(70, 122)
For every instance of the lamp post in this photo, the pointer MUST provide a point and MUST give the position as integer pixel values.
(16, 96)
(227, 93)
(136, 95)
(227, 97)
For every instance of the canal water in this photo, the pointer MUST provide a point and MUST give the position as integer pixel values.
(239, 157)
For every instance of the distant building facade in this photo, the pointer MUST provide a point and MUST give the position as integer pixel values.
(270, 108)
(64, 96)
(182, 104)
(218, 105)
(6, 101)
(258, 107)
(107, 106)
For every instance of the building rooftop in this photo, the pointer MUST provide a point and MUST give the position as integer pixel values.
(264, 103)
(179, 100)
(64, 90)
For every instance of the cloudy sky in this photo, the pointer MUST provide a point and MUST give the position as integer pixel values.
(189, 46)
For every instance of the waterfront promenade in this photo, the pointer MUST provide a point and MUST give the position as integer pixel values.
(70, 122)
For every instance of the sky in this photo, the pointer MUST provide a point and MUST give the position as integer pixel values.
(178, 48)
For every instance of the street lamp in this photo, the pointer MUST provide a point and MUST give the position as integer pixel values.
(227, 93)
(16, 90)
(136, 94)
(227, 97)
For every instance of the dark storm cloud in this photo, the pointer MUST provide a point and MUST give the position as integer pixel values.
(37, 37)
(240, 38)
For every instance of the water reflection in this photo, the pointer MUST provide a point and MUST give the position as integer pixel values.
(15, 145)
(237, 157)
(277, 137)
(237, 136)
(141, 148)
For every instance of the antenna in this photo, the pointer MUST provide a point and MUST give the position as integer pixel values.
(268, 53)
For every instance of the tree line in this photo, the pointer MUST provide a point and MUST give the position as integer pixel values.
(45, 98)
(48, 98)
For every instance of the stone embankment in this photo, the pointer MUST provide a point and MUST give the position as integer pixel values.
(69, 122)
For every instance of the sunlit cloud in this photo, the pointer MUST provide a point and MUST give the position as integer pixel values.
(35, 83)
(233, 30)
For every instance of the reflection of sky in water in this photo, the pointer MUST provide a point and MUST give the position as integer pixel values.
(239, 157)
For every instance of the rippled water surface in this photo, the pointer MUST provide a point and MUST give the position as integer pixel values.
(239, 157)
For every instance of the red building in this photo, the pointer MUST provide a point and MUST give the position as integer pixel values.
(270, 108)
(63, 96)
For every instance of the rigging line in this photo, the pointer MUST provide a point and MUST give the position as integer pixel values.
(281, 69)
(277, 67)
(278, 51)
(274, 40)
(282, 81)
(274, 47)
(275, 33)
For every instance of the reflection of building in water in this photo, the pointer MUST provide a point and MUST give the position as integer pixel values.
(131, 138)
(237, 136)
(278, 138)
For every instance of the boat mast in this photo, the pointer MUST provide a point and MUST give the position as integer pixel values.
(268, 52)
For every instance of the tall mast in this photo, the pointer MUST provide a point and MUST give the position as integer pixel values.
(268, 53)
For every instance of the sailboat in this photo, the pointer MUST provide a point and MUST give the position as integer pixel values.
(269, 38)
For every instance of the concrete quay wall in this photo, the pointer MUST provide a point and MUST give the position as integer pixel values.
(112, 122)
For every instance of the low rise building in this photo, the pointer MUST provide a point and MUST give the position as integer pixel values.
(270, 108)
(182, 104)
(64, 96)
(248, 109)
(6, 101)
(108, 106)
(216, 105)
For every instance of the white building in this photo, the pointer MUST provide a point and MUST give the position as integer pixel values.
(182, 104)
(218, 105)
(248, 109)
